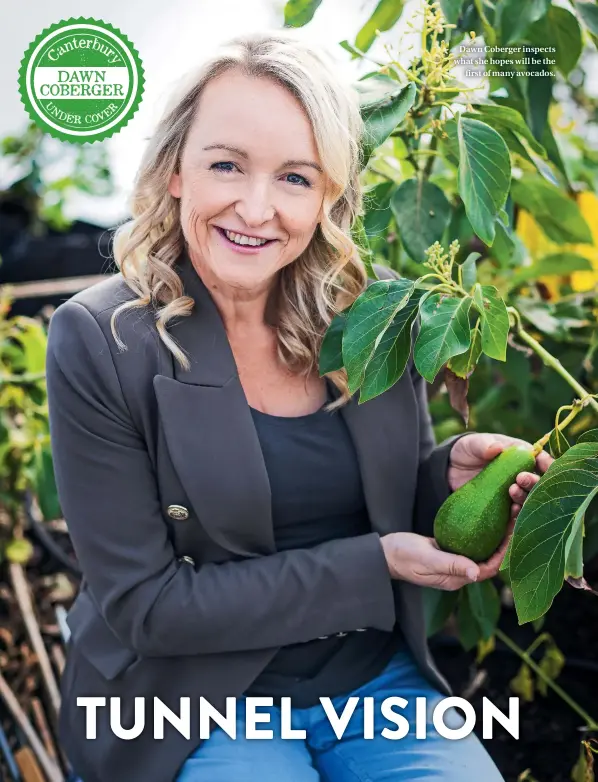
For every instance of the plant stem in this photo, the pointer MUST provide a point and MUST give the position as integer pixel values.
(409, 74)
(377, 171)
(551, 361)
(590, 723)
(489, 35)
(432, 274)
(430, 160)
(31, 377)
(538, 641)
(577, 408)
(444, 89)
(446, 106)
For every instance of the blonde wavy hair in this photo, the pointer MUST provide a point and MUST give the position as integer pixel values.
(328, 275)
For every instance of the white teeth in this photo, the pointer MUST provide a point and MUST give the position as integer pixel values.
(240, 239)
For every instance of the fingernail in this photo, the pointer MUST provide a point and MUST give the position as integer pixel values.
(472, 574)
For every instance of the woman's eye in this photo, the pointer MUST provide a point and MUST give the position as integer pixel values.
(223, 163)
(303, 182)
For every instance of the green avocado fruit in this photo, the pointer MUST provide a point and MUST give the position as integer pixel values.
(473, 520)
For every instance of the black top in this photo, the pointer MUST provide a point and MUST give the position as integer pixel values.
(317, 496)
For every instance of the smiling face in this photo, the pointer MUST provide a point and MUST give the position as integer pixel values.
(249, 168)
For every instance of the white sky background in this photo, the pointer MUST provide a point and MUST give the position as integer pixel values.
(172, 38)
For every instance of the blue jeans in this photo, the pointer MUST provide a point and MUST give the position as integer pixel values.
(322, 757)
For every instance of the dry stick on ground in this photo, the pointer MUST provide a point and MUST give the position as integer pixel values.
(28, 765)
(478, 680)
(41, 723)
(52, 771)
(58, 657)
(23, 595)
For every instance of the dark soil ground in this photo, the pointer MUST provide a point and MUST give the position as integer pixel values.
(549, 730)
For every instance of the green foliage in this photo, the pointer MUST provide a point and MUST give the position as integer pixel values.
(588, 13)
(422, 213)
(560, 29)
(469, 274)
(384, 104)
(391, 354)
(546, 528)
(25, 454)
(444, 333)
(331, 351)
(368, 320)
(32, 154)
(378, 212)
(386, 13)
(478, 610)
(464, 364)
(515, 18)
(484, 179)
(359, 236)
(494, 319)
(558, 216)
(438, 606)
(558, 444)
(442, 167)
(300, 12)
(557, 263)
(505, 119)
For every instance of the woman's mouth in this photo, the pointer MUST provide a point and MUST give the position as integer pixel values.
(247, 249)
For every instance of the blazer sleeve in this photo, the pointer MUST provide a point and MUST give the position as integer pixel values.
(153, 603)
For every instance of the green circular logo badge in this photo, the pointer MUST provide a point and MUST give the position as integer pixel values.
(81, 80)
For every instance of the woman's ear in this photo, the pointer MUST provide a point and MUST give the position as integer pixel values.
(174, 186)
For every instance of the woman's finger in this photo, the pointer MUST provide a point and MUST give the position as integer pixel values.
(543, 461)
(492, 450)
(452, 583)
(454, 565)
(526, 480)
(517, 494)
(488, 571)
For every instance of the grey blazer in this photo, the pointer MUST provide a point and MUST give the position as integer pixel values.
(163, 485)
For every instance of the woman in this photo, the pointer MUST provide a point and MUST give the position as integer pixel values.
(243, 525)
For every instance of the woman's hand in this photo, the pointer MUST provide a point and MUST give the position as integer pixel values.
(470, 454)
(419, 559)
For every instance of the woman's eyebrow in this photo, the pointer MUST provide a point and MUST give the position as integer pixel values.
(244, 154)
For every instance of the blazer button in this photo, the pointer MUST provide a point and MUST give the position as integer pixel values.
(178, 512)
(187, 559)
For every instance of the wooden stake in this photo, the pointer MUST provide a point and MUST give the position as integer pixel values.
(52, 771)
(28, 765)
(23, 596)
(41, 723)
(58, 657)
(27, 290)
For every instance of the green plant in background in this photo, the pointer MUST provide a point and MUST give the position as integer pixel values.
(461, 319)
(31, 156)
(25, 455)
(502, 315)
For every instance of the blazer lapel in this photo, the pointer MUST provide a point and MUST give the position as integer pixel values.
(214, 445)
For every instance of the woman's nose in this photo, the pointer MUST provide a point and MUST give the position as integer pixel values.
(255, 206)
